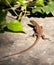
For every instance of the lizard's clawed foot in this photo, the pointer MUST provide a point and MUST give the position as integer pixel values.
(44, 38)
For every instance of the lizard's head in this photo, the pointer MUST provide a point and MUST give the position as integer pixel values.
(33, 22)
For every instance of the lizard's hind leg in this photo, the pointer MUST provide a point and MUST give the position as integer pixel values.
(45, 38)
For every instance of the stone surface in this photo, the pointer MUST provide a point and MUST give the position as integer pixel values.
(41, 54)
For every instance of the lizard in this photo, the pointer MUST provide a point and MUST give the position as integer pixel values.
(38, 34)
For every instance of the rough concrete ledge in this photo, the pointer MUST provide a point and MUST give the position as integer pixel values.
(41, 54)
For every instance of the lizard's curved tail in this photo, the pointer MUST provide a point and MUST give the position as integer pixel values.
(19, 52)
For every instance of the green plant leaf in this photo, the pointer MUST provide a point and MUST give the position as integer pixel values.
(37, 9)
(15, 26)
(39, 2)
(49, 8)
(45, 9)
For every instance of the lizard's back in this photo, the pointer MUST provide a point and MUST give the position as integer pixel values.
(38, 28)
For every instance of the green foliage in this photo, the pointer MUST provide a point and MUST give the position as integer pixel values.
(5, 2)
(39, 2)
(41, 6)
(45, 9)
(2, 19)
(15, 26)
(21, 2)
(49, 8)
(36, 9)
(36, 3)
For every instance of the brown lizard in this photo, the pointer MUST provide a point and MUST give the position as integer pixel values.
(38, 33)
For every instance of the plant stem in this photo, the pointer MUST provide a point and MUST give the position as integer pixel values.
(11, 7)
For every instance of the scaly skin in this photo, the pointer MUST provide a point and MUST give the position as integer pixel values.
(38, 28)
(38, 33)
